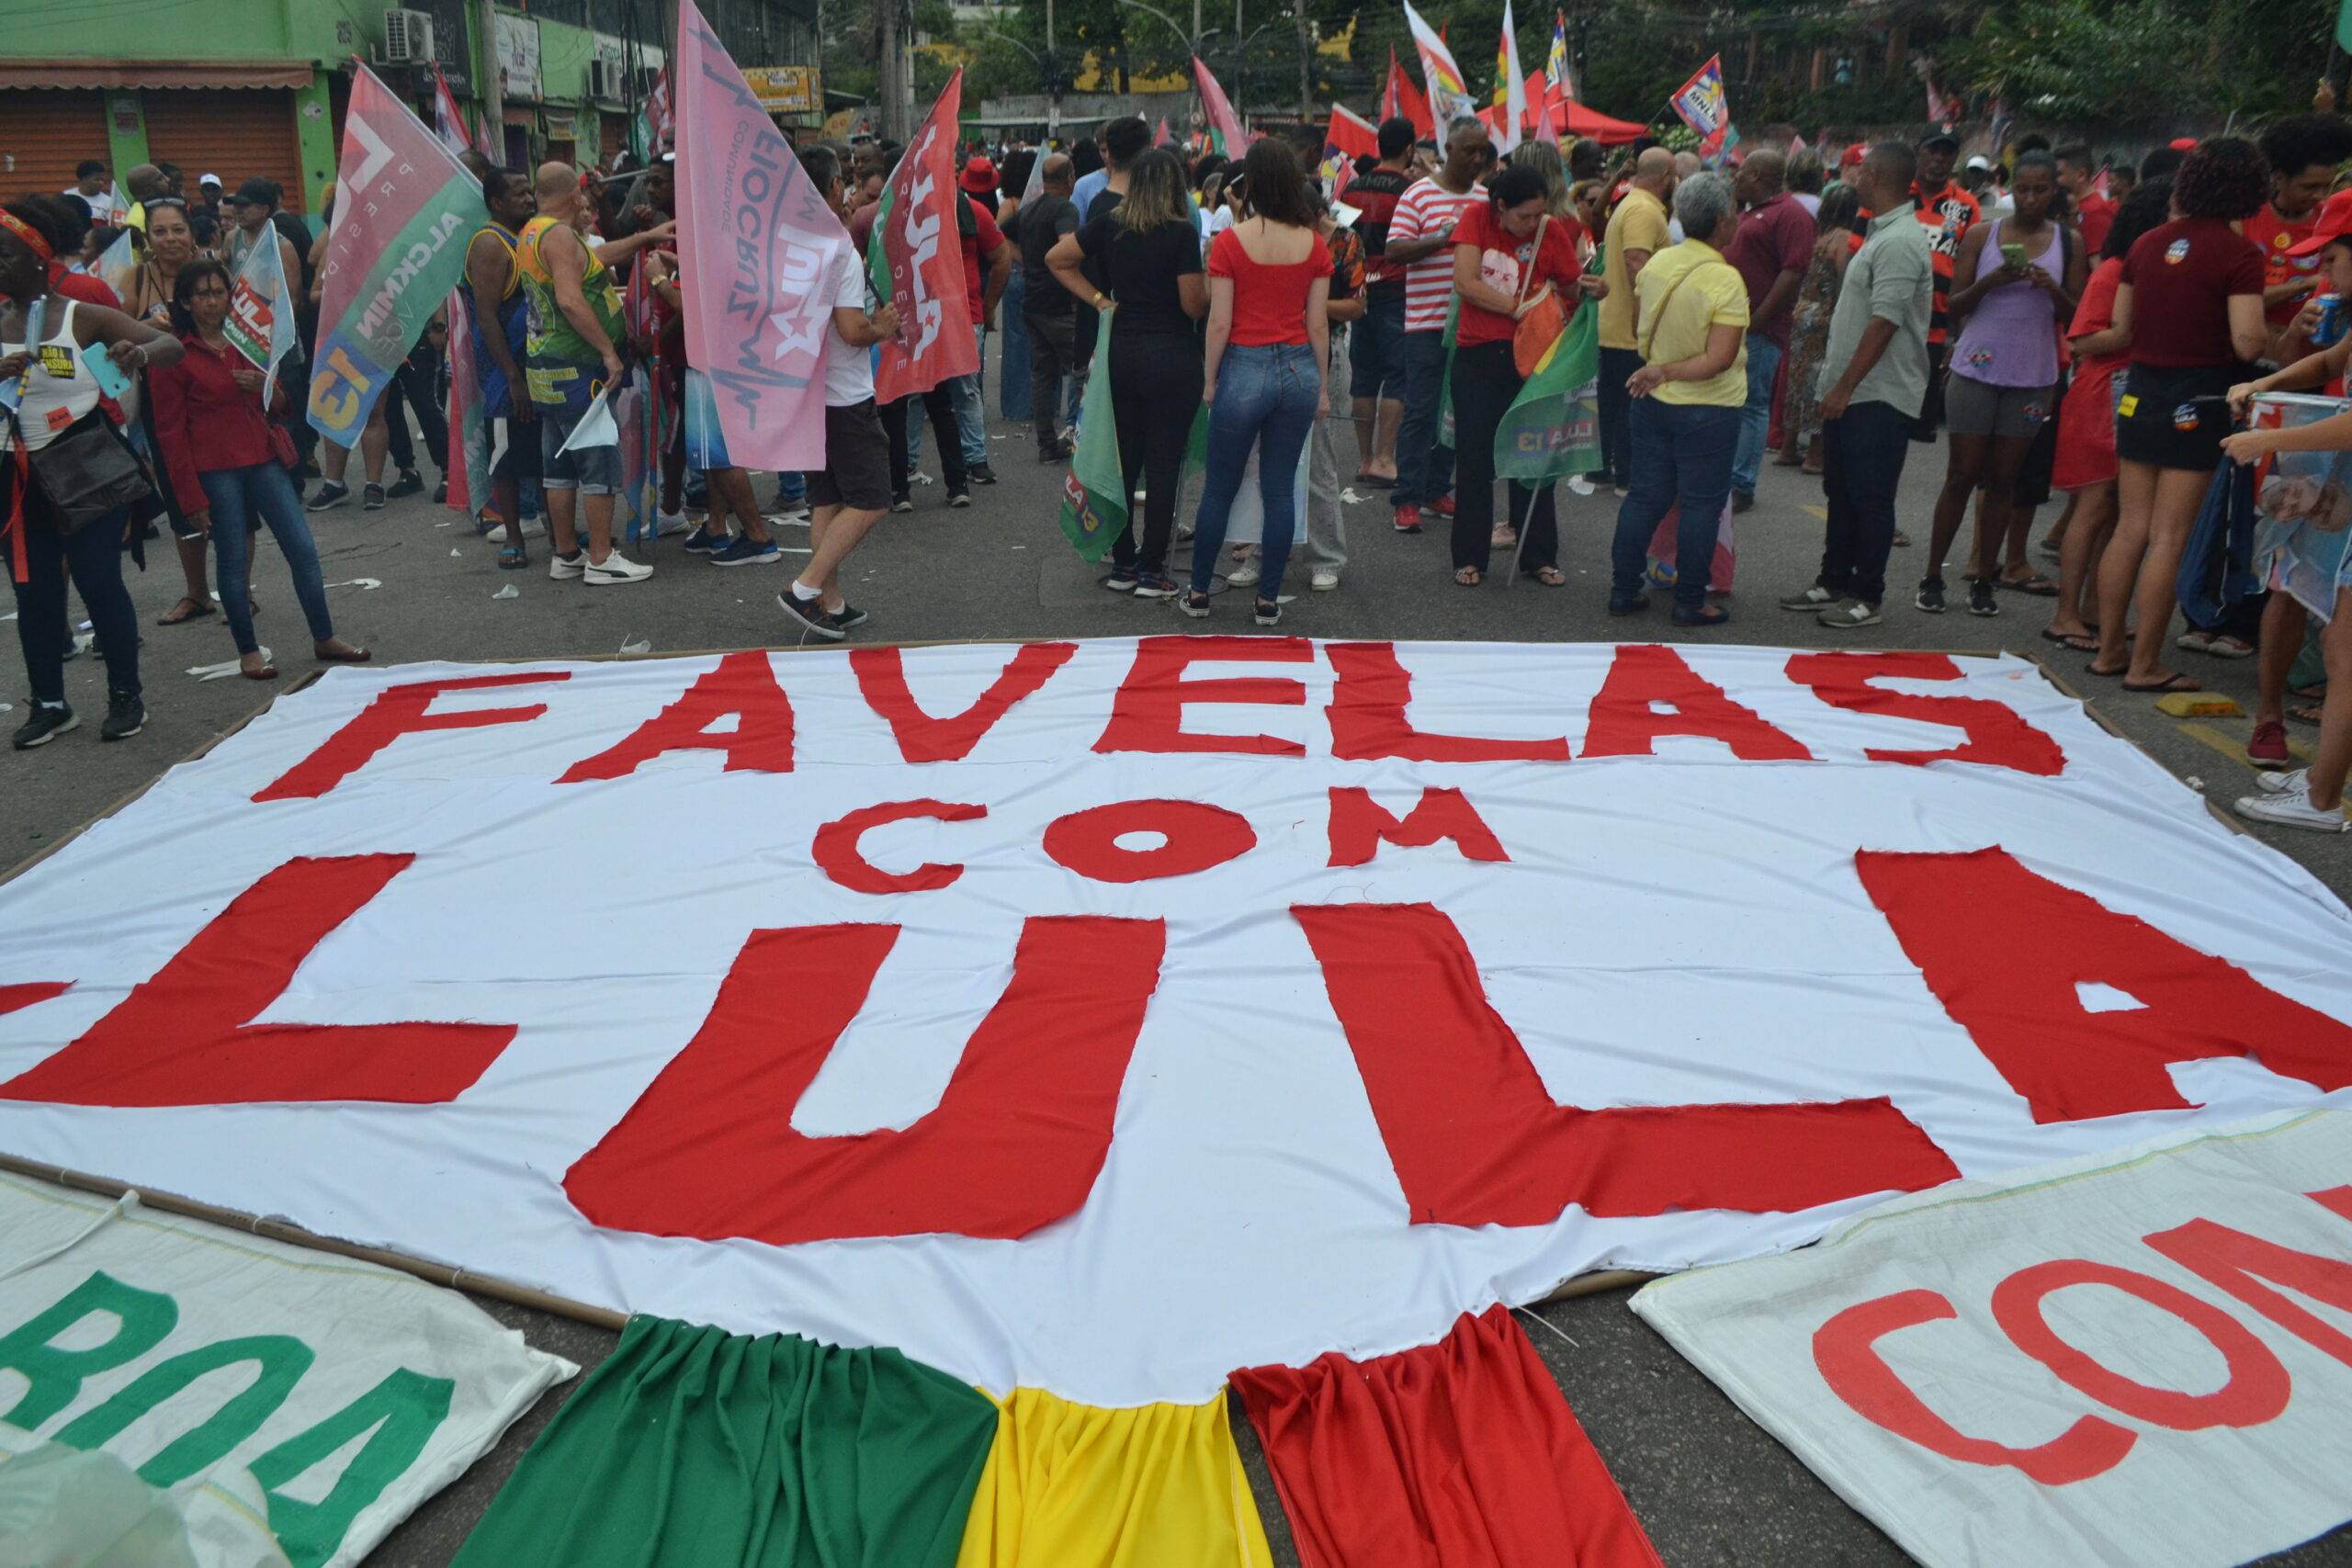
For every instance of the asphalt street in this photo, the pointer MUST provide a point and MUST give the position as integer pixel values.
(413, 581)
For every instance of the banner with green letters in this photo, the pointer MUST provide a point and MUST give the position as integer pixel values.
(252, 1386)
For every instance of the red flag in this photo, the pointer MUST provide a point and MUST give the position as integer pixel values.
(917, 259)
(1389, 106)
(755, 244)
(1349, 139)
(1163, 138)
(1225, 126)
(1408, 102)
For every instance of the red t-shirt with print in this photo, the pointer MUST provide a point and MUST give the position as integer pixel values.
(1504, 263)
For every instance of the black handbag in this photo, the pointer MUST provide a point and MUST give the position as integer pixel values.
(89, 472)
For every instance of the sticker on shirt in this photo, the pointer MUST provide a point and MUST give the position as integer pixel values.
(2176, 252)
(2129, 406)
(2035, 413)
(2185, 417)
(1980, 358)
(59, 419)
(57, 360)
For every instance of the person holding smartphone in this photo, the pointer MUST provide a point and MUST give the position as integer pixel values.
(2025, 273)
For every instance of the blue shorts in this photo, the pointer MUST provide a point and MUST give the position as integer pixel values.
(1376, 348)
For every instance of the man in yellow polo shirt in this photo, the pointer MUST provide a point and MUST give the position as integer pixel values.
(1636, 231)
(1691, 333)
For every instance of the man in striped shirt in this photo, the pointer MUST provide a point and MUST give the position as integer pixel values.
(1421, 236)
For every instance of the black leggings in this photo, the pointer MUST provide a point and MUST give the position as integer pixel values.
(1485, 382)
(1156, 394)
(939, 404)
(419, 387)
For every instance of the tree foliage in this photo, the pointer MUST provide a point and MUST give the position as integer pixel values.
(2120, 61)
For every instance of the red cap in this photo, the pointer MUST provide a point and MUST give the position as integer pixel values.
(2183, 143)
(979, 175)
(2335, 222)
(1853, 155)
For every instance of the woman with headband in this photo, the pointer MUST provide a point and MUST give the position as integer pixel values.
(46, 374)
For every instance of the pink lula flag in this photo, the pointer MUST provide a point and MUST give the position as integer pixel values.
(757, 246)
(916, 260)
(1225, 126)
(1163, 138)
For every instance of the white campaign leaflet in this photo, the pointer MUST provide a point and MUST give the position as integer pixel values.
(1103, 1016)
(2140, 1358)
(269, 1390)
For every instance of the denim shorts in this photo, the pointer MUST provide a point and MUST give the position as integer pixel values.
(591, 471)
(1376, 348)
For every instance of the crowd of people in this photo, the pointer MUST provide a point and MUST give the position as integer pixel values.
(2065, 325)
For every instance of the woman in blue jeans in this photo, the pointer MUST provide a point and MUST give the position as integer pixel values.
(223, 465)
(1269, 348)
(1691, 333)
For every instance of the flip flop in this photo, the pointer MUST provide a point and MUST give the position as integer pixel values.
(2075, 640)
(2107, 674)
(2036, 585)
(1468, 576)
(2170, 684)
(187, 610)
(2303, 714)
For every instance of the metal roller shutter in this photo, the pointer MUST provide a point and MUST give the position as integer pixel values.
(44, 133)
(236, 133)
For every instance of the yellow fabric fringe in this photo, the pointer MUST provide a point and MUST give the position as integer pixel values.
(1078, 1486)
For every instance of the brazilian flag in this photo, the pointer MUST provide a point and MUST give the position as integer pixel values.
(1094, 492)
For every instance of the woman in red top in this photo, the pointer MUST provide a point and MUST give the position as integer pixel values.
(1509, 255)
(2191, 305)
(2085, 461)
(224, 468)
(1269, 347)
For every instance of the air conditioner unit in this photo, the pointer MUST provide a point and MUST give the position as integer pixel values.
(605, 80)
(408, 39)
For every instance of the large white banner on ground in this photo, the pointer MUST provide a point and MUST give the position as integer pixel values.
(1105, 1016)
(2135, 1359)
(269, 1390)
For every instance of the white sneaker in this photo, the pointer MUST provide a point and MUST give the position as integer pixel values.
(790, 517)
(1245, 574)
(616, 568)
(562, 566)
(1324, 579)
(1579, 485)
(2294, 810)
(666, 523)
(2297, 782)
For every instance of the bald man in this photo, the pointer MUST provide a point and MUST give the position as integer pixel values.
(1637, 230)
(573, 347)
(1772, 250)
(1046, 305)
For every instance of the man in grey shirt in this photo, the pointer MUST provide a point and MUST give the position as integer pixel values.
(1873, 380)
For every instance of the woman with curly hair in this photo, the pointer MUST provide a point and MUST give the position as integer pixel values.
(2189, 303)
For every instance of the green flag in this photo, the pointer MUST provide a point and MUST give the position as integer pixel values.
(2343, 25)
(693, 1446)
(1094, 493)
(1552, 429)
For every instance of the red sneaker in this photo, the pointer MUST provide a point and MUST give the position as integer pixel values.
(2269, 747)
(1409, 519)
(1443, 508)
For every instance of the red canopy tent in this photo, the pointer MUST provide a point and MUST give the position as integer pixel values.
(1570, 118)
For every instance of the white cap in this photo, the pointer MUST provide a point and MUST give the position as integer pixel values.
(208, 179)
(1980, 161)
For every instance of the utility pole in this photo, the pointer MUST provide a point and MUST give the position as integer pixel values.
(1053, 80)
(895, 74)
(493, 96)
(1305, 62)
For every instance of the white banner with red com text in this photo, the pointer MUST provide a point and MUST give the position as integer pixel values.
(2133, 1360)
(1105, 1016)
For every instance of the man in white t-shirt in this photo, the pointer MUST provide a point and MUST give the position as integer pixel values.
(850, 495)
(91, 188)
(1420, 235)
